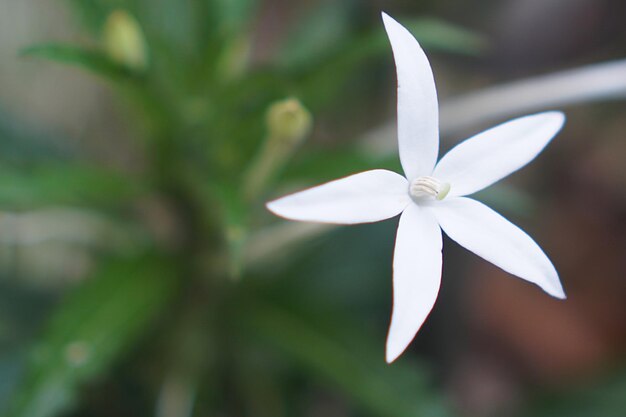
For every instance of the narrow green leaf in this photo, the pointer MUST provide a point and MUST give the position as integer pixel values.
(234, 218)
(91, 60)
(96, 325)
(62, 184)
(324, 164)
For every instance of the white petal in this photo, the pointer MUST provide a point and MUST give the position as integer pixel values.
(418, 113)
(366, 197)
(489, 235)
(416, 276)
(495, 153)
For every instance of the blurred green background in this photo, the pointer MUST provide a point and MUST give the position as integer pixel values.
(140, 274)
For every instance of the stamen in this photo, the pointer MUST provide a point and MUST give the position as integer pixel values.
(429, 186)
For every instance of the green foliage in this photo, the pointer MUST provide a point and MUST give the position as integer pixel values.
(196, 108)
(99, 322)
(199, 106)
(60, 184)
(338, 163)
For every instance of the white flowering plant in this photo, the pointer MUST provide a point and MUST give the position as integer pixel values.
(167, 258)
(432, 195)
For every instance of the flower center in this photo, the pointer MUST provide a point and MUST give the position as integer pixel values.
(429, 187)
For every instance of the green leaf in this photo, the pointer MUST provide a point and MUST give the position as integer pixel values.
(95, 326)
(91, 60)
(60, 184)
(325, 165)
(233, 212)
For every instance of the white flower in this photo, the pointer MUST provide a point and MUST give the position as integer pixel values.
(432, 196)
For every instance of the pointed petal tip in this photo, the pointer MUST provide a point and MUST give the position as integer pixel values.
(416, 277)
(271, 206)
(557, 114)
(554, 115)
(393, 352)
(560, 114)
(365, 197)
(418, 109)
(551, 116)
(274, 207)
(390, 23)
(558, 293)
(554, 287)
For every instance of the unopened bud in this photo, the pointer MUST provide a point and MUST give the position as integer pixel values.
(288, 124)
(124, 41)
(288, 121)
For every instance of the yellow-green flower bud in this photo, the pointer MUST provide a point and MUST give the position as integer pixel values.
(288, 124)
(124, 41)
(288, 121)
